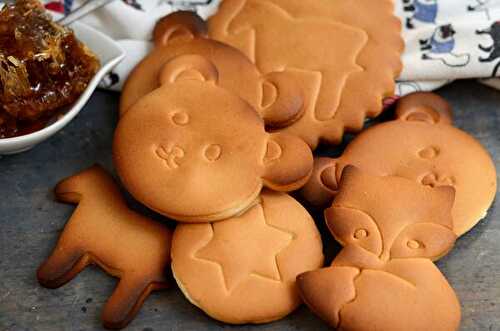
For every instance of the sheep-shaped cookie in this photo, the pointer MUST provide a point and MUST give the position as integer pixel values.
(346, 53)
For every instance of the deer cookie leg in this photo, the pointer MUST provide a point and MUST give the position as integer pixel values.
(126, 300)
(326, 291)
(62, 266)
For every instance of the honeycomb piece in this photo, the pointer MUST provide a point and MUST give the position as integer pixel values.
(43, 67)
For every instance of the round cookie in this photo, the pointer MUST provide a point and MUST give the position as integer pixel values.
(420, 145)
(243, 270)
(348, 62)
(195, 152)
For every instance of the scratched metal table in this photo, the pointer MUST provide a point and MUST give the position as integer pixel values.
(30, 222)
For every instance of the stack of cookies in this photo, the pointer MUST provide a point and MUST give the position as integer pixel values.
(221, 119)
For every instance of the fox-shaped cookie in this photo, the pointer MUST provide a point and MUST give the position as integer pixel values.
(384, 278)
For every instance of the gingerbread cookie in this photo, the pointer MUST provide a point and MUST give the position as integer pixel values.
(384, 279)
(243, 269)
(346, 53)
(196, 152)
(103, 231)
(420, 145)
(277, 96)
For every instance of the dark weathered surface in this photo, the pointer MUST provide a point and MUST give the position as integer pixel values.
(30, 222)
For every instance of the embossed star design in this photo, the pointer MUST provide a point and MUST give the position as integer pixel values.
(246, 245)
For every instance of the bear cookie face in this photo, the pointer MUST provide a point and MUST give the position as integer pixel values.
(421, 145)
(195, 152)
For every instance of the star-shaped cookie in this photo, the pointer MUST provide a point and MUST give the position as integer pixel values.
(263, 243)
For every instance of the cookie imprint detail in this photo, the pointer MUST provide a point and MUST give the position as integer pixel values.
(263, 54)
(180, 118)
(212, 152)
(413, 244)
(433, 179)
(171, 155)
(429, 153)
(360, 233)
(237, 264)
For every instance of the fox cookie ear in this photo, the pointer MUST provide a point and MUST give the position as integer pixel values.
(188, 67)
(288, 162)
(322, 186)
(424, 107)
(180, 26)
(282, 100)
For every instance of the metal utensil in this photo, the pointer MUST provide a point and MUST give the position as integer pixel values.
(88, 7)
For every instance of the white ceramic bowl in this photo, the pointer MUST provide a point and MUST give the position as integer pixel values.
(108, 52)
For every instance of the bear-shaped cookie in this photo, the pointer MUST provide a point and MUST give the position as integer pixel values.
(277, 96)
(348, 53)
(384, 279)
(422, 145)
(104, 231)
(196, 152)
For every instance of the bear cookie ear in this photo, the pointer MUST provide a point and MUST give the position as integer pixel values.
(179, 26)
(282, 100)
(188, 67)
(424, 107)
(288, 162)
(321, 188)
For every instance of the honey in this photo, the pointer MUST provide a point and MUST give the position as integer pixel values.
(43, 67)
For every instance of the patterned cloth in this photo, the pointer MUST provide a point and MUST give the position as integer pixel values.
(445, 39)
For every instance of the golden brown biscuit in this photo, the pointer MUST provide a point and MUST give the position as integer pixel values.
(384, 279)
(277, 96)
(196, 152)
(420, 145)
(103, 231)
(242, 270)
(348, 62)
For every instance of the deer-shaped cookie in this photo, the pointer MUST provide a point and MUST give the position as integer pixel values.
(103, 231)
(384, 278)
(422, 145)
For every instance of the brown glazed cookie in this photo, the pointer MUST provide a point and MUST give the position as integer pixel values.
(243, 269)
(346, 53)
(277, 96)
(384, 279)
(196, 152)
(103, 231)
(420, 145)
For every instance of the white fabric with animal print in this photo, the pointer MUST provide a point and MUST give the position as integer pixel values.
(448, 40)
(445, 39)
